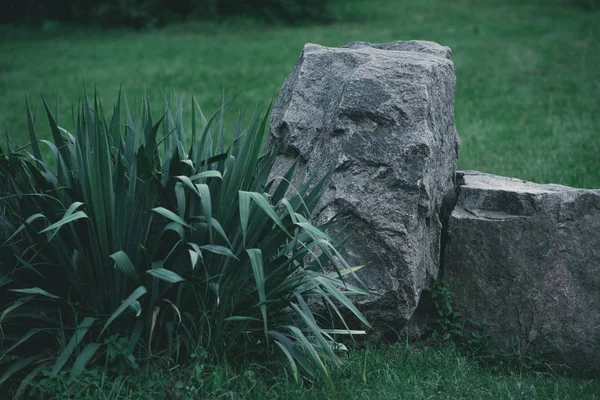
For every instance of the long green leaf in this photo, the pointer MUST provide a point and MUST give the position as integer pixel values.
(180, 197)
(196, 250)
(84, 358)
(61, 166)
(136, 294)
(22, 340)
(194, 256)
(79, 334)
(256, 261)
(18, 303)
(150, 145)
(285, 183)
(264, 204)
(206, 175)
(291, 361)
(175, 227)
(28, 221)
(339, 296)
(103, 178)
(244, 205)
(17, 366)
(310, 349)
(204, 192)
(165, 275)
(63, 221)
(35, 290)
(32, 134)
(294, 350)
(306, 315)
(242, 318)
(68, 217)
(217, 226)
(58, 139)
(170, 215)
(221, 250)
(123, 263)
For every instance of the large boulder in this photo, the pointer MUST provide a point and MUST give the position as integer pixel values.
(524, 258)
(381, 117)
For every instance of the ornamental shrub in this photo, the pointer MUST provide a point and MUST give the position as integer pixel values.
(138, 240)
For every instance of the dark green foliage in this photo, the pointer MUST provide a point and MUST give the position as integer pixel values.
(591, 5)
(138, 246)
(447, 324)
(588, 5)
(287, 11)
(142, 13)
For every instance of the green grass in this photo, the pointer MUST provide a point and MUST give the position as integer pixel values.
(527, 105)
(528, 82)
(397, 372)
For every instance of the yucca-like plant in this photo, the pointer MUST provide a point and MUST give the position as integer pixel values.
(129, 244)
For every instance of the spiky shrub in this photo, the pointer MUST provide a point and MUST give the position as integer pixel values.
(128, 246)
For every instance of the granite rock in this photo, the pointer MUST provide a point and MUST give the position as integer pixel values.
(524, 258)
(381, 117)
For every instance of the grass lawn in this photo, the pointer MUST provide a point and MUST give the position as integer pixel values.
(527, 106)
(397, 372)
(528, 81)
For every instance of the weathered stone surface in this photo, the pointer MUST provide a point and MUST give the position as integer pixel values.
(525, 258)
(382, 117)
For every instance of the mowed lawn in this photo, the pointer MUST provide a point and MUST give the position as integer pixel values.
(527, 105)
(528, 73)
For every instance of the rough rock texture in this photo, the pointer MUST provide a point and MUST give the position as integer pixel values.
(382, 117)
(525, 258)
